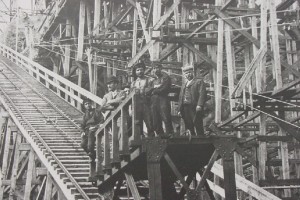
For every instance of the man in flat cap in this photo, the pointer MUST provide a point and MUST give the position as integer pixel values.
(92, 119)
(191, 101)
(141, 85)
(160, 103)
(114, 97)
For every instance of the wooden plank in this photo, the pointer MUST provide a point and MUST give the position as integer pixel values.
(97, 16)
(229, 179)
(245, 185)
(201, 55)
(132, 186)
(15, 167)
(218, 73)
(24, 147)
(205, 174)
(115, 141)
(99, 156)
(29, 175)
(81, 30)
(124, 147)
(5, 159)
(249, 72)
(48, 189)
(176, 171)
(253, 40)
(107, 159)
(155, 182)
(41, 188)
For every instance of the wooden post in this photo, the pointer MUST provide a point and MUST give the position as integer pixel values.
(13, 180)
(115, 141)
(81, 37)
(218, 76)
(97, 16)
(132, 186)
(262, 148)
(156, 33)
(48, 189)
(155, 182)
(229, 179)
(29, 176)
(5, 159)
(67, 56)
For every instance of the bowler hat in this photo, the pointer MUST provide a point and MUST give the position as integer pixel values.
(112, 79)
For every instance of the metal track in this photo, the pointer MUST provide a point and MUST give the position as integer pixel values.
(57, 136)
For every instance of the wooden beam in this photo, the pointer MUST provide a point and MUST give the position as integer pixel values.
(48, 189)
(29, 175)
(5, 159)
(176, 171)
(245, 185)
(15, 167)
(253, 40)
(249, 72)
(205, 174)
(201, 55)
(132, 186)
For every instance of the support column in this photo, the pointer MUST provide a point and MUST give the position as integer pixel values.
(67, 60)
(5, 160)
(29, 175)
(81, 37)
(14, 174)
(155, 150)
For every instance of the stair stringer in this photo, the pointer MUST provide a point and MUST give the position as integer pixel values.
(54, 173)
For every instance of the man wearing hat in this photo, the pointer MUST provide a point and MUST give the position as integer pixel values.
(114, 97)
(160, 103)
(141, 85)
(91, 121)
(191, 101)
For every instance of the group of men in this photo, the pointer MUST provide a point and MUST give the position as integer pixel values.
(153, 105)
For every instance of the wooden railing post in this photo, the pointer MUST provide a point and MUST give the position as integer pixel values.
(124, 147)
(107, 159)
(137, 124)
(99, 156)
(115, 141)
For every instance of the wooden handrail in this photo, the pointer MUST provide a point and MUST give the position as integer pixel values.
(119, 144)
(72, 93)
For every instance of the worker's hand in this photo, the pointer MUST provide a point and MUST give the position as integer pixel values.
(82, 134)
(199, 108)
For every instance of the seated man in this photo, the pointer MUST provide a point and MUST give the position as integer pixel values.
(91, 120)
(114, 97)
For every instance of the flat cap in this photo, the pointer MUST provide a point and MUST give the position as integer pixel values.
(188, 67)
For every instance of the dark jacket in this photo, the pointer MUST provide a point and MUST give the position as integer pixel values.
(198, 93)
(163, 83)
(92, 118)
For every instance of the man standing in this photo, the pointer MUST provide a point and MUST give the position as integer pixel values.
(160, 103)
(114, 97)
(141, 84)
(191, 101)
(91, 120)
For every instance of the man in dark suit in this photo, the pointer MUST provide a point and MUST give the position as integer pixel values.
(191, 101)
(141, 85)
(160, 103)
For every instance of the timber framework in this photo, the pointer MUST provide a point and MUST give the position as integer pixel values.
(248, 53)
